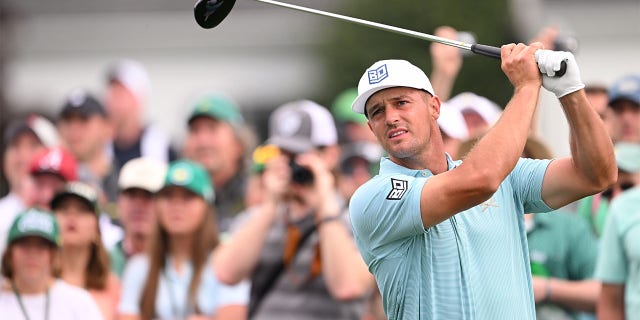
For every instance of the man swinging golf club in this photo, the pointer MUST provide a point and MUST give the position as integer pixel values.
(446, 239)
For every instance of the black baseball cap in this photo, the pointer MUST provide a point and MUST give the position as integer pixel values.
(82, 103)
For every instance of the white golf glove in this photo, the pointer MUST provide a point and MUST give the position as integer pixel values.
(549, 63)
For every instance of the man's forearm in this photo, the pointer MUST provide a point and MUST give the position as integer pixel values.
(576, 295)
(235, 259)
(591, 147)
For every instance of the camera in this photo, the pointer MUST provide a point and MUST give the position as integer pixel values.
(299, 174)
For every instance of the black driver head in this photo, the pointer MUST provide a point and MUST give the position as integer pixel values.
(209, 13)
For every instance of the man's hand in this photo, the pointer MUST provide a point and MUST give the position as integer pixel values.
(549, 63)
(321, 194)
(540, 291)
(276, 178)
(519, 64)
(446, 59)
(446, 62)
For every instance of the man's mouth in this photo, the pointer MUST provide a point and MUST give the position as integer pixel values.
(396, 133)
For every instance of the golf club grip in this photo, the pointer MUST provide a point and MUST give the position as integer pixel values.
(488, 51)
(494, 52)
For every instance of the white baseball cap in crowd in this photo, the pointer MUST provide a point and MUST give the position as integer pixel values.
(452, 123)
(142, 173)
(388, 74)
(469, 101)
(132, 75)
(302, 125)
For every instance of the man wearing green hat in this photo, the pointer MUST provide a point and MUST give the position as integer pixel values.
(594, 209)
(218, 140)
(28, 287)
(352, 127)
(618, 266)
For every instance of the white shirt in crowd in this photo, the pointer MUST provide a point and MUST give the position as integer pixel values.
(66, 302)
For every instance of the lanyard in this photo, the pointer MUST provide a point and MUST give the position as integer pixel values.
(24, 310)
(174, 302)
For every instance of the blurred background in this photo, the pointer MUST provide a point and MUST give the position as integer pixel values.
(263, 55)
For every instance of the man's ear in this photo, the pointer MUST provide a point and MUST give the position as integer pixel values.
(435, 105)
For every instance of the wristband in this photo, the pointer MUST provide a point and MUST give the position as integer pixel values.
(547, 292)
(329, 219)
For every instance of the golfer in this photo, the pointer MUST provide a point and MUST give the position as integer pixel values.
(446, 239)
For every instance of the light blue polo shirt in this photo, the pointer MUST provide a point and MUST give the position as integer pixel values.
(474, 265)
(173, 287)
(619, 255)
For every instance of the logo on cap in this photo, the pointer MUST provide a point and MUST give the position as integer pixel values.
(35, 222)
(377, 75)
(52, 160)
(181, 176)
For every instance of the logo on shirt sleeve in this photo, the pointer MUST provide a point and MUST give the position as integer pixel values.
(398, 188)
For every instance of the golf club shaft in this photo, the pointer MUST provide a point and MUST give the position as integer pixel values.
(484, 50)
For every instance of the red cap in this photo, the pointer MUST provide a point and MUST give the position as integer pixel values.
(57, 161)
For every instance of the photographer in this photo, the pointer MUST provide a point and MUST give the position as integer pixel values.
(296, 246)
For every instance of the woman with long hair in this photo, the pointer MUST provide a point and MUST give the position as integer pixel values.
(85, 261)
(29, 288)
(175, 279)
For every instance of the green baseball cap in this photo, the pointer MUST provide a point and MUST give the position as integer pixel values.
(628, 156)
(341, 107)
(35, 222)
(216, 107)
(191, 176)
(80, 190)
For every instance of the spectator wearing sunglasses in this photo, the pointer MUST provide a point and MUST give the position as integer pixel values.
(594, 209)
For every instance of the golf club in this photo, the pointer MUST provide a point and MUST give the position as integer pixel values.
(209, 13)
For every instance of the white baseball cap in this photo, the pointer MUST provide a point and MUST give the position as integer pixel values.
(133, 76)
(468, 101)
(302, 125)
(142, 173)
(452, 123)
(388, 74)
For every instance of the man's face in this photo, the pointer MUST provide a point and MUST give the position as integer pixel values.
(85, 136)
(476, 125)
(626, 121)
(402, 120)
(213, 144)
(135, 208)
(18, 155)
(599, 101)
(353, 173)
(32, 259)
(121, 104)
(47, 186)
(625, 182)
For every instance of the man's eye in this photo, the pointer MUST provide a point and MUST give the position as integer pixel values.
(402, 102)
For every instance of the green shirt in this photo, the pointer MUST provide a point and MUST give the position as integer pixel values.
(561, 246)
(118, 259)
(619, 256)
(593, 209)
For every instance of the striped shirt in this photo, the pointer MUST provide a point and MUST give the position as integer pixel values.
(296, 295)
(475, 265)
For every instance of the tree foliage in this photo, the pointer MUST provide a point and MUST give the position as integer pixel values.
(350, 48)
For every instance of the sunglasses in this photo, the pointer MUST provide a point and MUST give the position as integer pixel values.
(623, 187)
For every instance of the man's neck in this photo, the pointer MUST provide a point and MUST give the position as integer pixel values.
(99, 164)
(127, 134)
(33, 286)
(134, 243)
(74, 264)
(221, 177)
